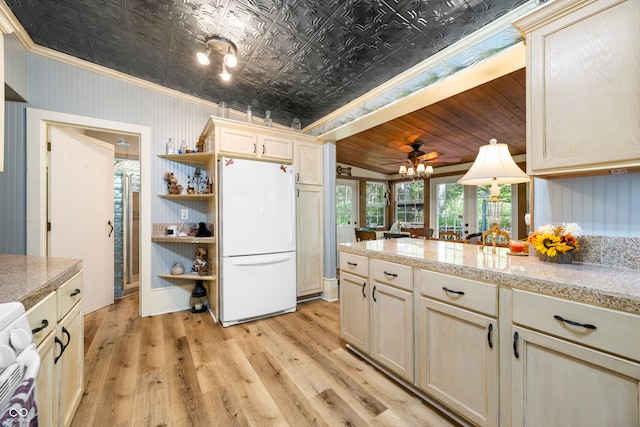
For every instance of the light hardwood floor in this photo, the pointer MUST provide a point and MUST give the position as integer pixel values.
(182, 369)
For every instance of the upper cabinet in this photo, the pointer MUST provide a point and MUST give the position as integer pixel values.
(308, 163)
(242, 140)
(583, 62)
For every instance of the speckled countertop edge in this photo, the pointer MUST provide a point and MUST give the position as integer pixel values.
(28, 279)
(611, 287)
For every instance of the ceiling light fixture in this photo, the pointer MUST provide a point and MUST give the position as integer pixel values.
(418, 170)
(224, 47)
(122, 142)
(493, 166)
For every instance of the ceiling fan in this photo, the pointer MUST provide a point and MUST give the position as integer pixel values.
(417, 159)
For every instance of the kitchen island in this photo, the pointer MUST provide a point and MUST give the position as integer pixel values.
(496, 339)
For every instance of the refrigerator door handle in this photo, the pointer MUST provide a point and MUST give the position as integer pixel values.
(259, 262)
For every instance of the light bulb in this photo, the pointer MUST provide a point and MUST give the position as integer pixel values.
(225, 74)
(230, 59)
(203, 57)
(402, 170)
(420, 168)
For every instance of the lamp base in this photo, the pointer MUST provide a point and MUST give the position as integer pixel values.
(494, 232)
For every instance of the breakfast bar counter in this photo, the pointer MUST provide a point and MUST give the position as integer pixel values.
(28, 279)
(611, 287)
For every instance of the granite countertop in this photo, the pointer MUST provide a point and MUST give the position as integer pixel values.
(28, 279)
(611, 287)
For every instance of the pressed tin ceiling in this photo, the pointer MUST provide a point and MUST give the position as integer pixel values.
(297, 58)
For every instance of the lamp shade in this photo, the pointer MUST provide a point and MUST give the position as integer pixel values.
(494, 164)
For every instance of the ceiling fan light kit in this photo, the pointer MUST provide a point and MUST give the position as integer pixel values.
(226, 48)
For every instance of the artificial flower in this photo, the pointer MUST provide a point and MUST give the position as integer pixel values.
(550, 240)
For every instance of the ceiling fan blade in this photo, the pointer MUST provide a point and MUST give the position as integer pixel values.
(444, 160)
(431, 155)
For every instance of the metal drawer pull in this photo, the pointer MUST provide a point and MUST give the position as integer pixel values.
(515, 345)
(571, 322)
(489, 335)
(452, 291)
(390, 274)
(373, 294)
(364, 285)
(74, 293)
(355, 264)
(55, 360)
(45, 323)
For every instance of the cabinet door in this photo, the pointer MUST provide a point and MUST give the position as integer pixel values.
(392, 328)
(557, 383)
(354, 310)
(276, 148)
(308, 163)
(70, 365)
(233, 141)
(309, 239)
(458, 363)
(583, 72)
(46, 383)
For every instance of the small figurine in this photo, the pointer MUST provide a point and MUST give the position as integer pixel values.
(202, 230)
(197, 183)
(200, 144)
(172, 183)
(200, 265)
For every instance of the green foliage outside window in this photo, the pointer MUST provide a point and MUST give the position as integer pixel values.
(410, 202)
(450, 199)
(344, 198)
(375, 204)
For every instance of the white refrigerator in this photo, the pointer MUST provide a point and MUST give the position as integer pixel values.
(257, 238)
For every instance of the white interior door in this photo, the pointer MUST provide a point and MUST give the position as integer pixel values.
(346, 212)
(80, 204)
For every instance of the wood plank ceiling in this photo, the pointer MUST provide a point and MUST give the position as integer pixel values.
(455, 128)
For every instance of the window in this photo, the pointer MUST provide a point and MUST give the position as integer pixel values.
(376, 205)
(344, 198)
(410, 203)
(450, 207)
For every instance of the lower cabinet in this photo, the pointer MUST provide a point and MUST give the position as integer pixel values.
(354, 310)
(573, 364)
(558, 383)
(58, 331)
(392, 321)
(70, 372)
(309, 240)
(458, 345)
(458, 360)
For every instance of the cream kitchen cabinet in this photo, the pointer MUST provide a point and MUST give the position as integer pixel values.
(308, 163)
(391, 318)
(58, 331)
(354, 300)
(573, 364)
(309, 264)
(309, 241)
(458, 345)
(583, 88)
(245, 140)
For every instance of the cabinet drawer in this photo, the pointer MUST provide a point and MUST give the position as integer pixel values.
(43, 315)
(69, 294)
(397, 275)
(354, 264)
(615, 331)
(476, 296)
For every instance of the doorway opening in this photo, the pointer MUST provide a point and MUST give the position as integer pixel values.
(126, 211)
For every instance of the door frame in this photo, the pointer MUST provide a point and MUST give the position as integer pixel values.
(38, 122)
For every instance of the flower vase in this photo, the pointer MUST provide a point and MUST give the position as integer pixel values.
(560, 258)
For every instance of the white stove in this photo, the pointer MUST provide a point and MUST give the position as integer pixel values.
(19, 360)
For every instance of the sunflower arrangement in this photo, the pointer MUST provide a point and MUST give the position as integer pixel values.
(551, 240)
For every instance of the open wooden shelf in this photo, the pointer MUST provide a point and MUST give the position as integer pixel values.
(187, 276)
(201, 158)
(185, 239)
(188, 196)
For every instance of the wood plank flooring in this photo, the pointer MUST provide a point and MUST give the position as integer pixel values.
(182, 369)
